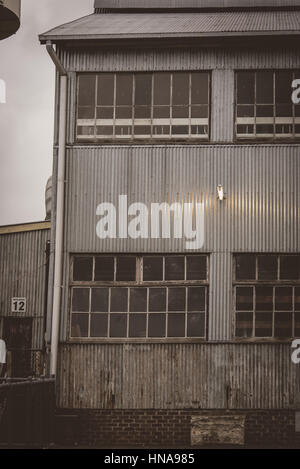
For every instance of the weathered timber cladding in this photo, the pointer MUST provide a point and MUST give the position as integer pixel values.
(178, 376)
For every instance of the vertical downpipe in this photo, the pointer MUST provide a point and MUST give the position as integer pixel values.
(58, 262)
(59, 224)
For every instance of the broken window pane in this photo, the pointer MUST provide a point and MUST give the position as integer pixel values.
(86, 113)
(106, 89)
(264, 88)
(119, 300)
(87, 90)
(196, 298)
(297, 324)
(143, 89)
(263, 324)
(181, 86)
(284, 298)
(283, 85)
(245, 87)
(104, 269)
(174, 268)
(99, 325)
(176, 299)
(126, 269)
(83, 269)
(99, 300)
(124, 89)
(80, 325)
(118, 325)
(137, 325)
(157, 325)
(162, 89)
(81, 299)
(196, 267)
(245, 267)
(244, 324)
(157, 299)
(244, 299)
(138, 300)
(152, 269)
(297, 299)
(283, 325)
(264, 298)
(196, 325)
(289, 267)
(264, 111)
(267, 267)
(176, 325)
(200, 92)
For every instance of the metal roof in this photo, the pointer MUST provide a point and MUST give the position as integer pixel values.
(168, 25)
(185, 4)
(22, 228)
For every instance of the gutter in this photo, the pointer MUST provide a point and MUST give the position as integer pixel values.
(59, 230)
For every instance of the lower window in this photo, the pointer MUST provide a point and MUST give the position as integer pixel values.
(267, 296)
(140, 308)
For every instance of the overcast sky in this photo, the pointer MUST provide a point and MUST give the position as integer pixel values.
(26, 120)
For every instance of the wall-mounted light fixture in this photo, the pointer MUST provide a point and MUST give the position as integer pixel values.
(220, 191)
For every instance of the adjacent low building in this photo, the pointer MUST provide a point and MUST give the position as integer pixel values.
(24, 264)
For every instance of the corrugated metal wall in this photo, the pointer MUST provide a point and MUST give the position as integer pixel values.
(23, 275)
(99, 59)
(189, 376)
(260, 214)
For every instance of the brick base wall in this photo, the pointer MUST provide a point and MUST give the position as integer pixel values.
(166, 428)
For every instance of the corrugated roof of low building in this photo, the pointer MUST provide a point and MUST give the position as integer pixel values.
(25, 227)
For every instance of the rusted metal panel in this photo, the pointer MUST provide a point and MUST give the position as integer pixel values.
(23, 275)
(178, 376)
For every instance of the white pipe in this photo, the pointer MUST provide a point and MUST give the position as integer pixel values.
(60, 197)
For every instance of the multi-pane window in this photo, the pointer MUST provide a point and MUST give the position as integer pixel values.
(267, 296)
(126, 106)
(152, 297)
(264, 107)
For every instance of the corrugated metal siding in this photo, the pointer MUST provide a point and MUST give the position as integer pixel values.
(179, 24)
(23, 274)
(90, 60)
(260, 213)
(222, 106)
(219, 376)
(111, 4)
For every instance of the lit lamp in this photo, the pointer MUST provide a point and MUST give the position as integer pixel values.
(220, 191)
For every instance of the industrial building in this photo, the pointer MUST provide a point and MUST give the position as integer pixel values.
(24, 267)
(181, 110)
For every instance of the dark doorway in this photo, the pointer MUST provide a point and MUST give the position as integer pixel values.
(18, 338)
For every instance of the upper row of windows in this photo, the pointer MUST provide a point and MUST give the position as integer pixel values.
(162, 106)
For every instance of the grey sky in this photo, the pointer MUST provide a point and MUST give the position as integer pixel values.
(26, 120)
